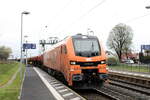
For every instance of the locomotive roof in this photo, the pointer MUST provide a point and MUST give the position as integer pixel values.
(80, 36)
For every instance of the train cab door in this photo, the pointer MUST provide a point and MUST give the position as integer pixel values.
(63, 59)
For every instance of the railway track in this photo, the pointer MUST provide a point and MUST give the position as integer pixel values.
(129, 94)
(121, 87)
(131, 83)
(104, 93)
(118, 91)
(140, 81)
(136, 88)
(95, 94)
(113, 95)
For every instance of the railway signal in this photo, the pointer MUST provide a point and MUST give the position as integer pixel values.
(51, 41)
(27, 46)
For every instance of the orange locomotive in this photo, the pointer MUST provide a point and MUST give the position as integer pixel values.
(80, 58)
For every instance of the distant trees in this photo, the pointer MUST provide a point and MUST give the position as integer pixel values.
(120, 39)
(112, 61)
(4, 52)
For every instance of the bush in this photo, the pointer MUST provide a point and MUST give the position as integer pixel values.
(146, 59)
(4, 52)
(112, 61)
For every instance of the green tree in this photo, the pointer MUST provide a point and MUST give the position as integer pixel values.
(120, 39)
(4, 52)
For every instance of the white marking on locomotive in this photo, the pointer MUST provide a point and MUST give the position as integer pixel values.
(88, 59)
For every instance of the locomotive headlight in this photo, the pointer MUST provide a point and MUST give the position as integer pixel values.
(103, 62)
(72, 62)
(107, 68)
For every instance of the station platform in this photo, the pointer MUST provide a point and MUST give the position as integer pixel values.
(38, 85)
(138, 74)
(33, 87)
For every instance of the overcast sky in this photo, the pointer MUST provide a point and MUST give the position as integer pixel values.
(69, 17)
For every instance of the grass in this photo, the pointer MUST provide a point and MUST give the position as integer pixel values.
(144, 69)
(12, 91)
(6, 71)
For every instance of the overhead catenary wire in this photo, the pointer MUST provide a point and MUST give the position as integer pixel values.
(136, 18)
(61, 11)
(59, 25)
(89, 11)
(93, 8)
(85, 14)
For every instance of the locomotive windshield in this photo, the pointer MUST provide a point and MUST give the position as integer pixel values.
(86, 47)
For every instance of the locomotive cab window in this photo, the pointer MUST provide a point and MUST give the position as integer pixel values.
(86, 47)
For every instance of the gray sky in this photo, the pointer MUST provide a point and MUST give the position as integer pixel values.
(68, 17)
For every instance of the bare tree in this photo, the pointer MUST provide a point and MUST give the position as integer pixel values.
(4, 52)
(120, 39)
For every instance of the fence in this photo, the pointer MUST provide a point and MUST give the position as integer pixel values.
(142, 68)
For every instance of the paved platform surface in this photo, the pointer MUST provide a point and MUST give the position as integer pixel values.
(59, 90)
(33, 87)
(39, 85)
(147, 75)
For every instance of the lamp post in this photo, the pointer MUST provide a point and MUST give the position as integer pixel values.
(23, 13)
(26, 49)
